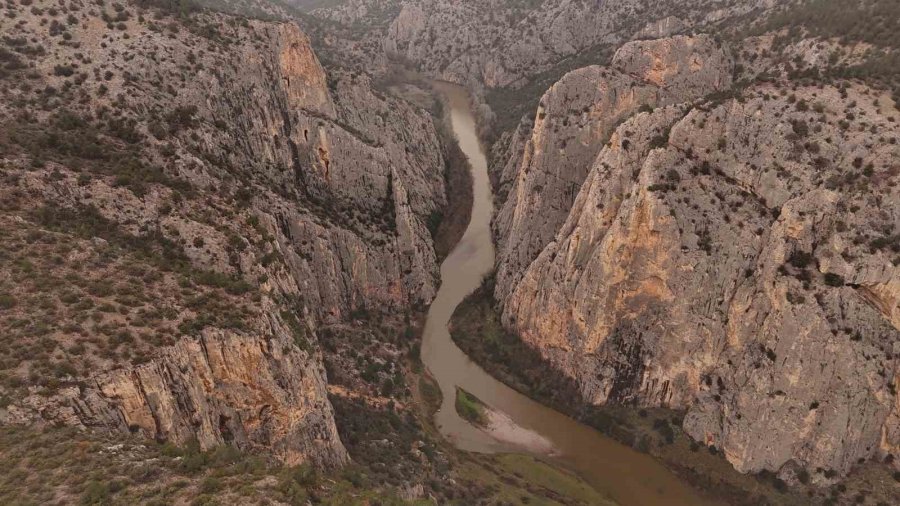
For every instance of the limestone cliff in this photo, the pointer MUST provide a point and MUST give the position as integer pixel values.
(224, 387)
(736, 259)
(574, 120)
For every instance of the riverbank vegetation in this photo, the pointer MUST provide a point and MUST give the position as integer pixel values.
(392, 439)
(470, 408)
(430, 394)
(523, 479)
(476, 329)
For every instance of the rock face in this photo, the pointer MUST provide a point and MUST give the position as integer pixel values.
(738, 260)
(255, 197)
(573, 122)
(303, 78)
(254, 392)
(358, 236)
(660, 28)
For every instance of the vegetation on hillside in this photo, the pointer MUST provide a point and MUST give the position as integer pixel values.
(64, 466)
(872, 22)
(875, 22)
(510, 103)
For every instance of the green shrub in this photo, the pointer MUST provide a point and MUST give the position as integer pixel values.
(832, 279)
(294, 481)
(230, 284)
(95, 493)
(434, 221)
(662, 426)
(470, 408)
(299, 331)
(181, 117)
(7, 301)
(210, 485)
(63, 70)
(800, 259)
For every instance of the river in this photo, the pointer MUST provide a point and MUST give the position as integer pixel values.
(625, 475)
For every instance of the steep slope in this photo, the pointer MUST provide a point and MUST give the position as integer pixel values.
(574, 120)
(186, 201)
(738, 260)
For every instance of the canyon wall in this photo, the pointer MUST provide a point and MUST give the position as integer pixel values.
(735, 258)
(249, 195)
(573, 122)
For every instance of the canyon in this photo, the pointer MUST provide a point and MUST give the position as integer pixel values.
(239, 226)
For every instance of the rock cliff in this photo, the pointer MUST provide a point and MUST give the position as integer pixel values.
(574, 120)
(736, 259)
(210, 197)
(258, 393)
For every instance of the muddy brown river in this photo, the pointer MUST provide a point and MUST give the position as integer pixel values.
(626, 476)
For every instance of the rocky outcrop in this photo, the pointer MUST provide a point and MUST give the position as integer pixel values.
(303, 78)
(334, 171)
(660, 28)
(256, 392)
(574, 120)
(683, 67)
(736, 260)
